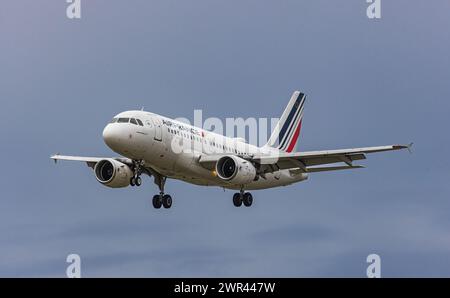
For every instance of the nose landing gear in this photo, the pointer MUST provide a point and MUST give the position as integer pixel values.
(136, 180)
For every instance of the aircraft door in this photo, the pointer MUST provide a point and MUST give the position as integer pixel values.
(158, 129)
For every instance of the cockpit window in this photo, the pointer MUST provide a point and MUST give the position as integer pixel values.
(140, 122)
(132, 120)
(123, 120)
(114, 120)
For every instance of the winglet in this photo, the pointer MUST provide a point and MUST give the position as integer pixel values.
(55, 158)
(409, 147)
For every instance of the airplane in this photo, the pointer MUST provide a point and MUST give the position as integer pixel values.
(163, 148)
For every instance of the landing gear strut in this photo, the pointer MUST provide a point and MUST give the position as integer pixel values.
(242, 197)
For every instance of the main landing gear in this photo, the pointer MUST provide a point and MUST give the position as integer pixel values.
(161, 200)
(242, 197)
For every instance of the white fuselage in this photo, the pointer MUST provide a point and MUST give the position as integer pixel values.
(173, 149)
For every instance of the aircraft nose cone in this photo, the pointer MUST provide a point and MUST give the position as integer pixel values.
(110, 136)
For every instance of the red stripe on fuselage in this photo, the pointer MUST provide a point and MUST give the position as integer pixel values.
(295, 137)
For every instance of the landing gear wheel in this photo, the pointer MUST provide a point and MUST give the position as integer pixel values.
(157, 201)
(167, 201)
(248, 199)
(132, 181)
(237, 200)
(138, 181)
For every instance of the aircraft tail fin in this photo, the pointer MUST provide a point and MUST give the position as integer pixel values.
(286, 133)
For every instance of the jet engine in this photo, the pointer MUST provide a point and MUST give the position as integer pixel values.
(113, 173)
(235, 170)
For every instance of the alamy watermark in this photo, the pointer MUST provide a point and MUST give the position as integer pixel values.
(74, 268)
(73, 10)
(213, 135)
(374, 9)
(374, 268)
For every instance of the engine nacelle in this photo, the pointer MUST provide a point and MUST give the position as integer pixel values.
(113, 173)
(235, 170)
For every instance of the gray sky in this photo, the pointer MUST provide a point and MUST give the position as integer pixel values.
(368, 83)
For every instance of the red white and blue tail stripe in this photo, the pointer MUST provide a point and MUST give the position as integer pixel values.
(286, 132)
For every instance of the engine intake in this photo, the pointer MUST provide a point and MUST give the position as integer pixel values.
(113, 173)
(235, 170)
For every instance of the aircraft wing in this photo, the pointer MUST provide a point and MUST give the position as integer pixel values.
(91, 161)
(308, 161)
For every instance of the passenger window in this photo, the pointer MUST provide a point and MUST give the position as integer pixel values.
(139, 122)
(132, 120)
(123, 120)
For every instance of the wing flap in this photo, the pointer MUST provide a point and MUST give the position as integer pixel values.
(348, 159)
(326, 169)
